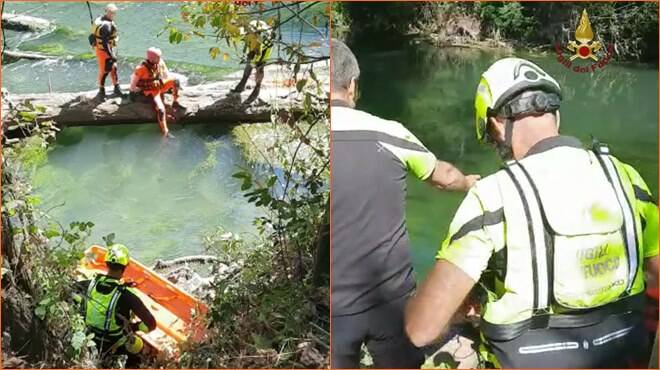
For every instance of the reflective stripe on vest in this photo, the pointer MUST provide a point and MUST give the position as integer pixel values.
(629, 228)
(564, 241)
(110, 314)
(100, 309)
(536, 233)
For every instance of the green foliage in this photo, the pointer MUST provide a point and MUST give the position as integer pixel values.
(341, 22)
(507, 19)
(230, 24)
(389, 19)
(631, 26)
(41, 255)
(265, 314)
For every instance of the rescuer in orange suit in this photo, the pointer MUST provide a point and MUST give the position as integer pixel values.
(152, 79)
(104, 41)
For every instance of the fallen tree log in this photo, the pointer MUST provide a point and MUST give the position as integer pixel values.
(206, 103)
(9, 56)
(199, 259)
(24, 23)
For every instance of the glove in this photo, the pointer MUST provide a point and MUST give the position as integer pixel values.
(139, 326)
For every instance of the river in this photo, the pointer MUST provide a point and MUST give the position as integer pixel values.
(431, 91)
(158, 196)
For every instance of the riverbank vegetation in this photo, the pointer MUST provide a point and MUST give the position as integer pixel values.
(41, 323)
(631, 26)
(273, 310)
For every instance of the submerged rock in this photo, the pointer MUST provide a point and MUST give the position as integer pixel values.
(24, 23)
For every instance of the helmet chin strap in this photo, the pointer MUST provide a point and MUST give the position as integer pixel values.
(505, 149)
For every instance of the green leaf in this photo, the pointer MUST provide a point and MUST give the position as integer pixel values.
(78, 340)
(300, 85)
(213, 52)
(109, 239)
(28, 116)
(45, 302)
(247, 183)
(40, 311)
(261, 342)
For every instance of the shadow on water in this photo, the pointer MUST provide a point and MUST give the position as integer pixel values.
(431, 91)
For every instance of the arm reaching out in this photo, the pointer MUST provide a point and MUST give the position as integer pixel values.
(447, 177)
(148, 322)
(432, 308)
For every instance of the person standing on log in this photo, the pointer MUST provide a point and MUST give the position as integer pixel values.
(104, 41)
(258, 51)
(152, 79)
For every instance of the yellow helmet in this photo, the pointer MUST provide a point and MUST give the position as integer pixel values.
(134, 344)
(506, 79)
(118, 254)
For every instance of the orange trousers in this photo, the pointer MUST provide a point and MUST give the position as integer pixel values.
(159, 104)
(106, 66)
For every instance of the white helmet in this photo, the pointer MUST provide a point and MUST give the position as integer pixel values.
(505, 80)
(112, 8)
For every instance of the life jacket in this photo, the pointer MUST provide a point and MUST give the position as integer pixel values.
(148, 74)
(97, 40)
(573, 257)
(101, 308)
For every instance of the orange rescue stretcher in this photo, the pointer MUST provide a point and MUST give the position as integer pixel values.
(178, 314)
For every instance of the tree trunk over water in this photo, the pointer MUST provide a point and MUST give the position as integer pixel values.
(206, 103)
(10, 56)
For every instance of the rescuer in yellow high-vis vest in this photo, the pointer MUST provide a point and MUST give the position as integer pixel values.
(563, 238)
(108, 306)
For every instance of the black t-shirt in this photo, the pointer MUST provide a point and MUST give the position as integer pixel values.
(370, 248)
(127, 303)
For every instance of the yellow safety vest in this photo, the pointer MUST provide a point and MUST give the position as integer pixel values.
(96, 31)
(565, 243)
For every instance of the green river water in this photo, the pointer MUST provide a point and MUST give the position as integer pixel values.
(431, 91)
(158, 196)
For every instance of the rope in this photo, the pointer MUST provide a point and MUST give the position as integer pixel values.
(89, 8)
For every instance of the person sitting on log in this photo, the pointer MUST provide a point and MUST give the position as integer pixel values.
(152, 79)
(256, 56)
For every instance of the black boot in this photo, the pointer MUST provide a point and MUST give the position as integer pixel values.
(101, 94)
(117, 91)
